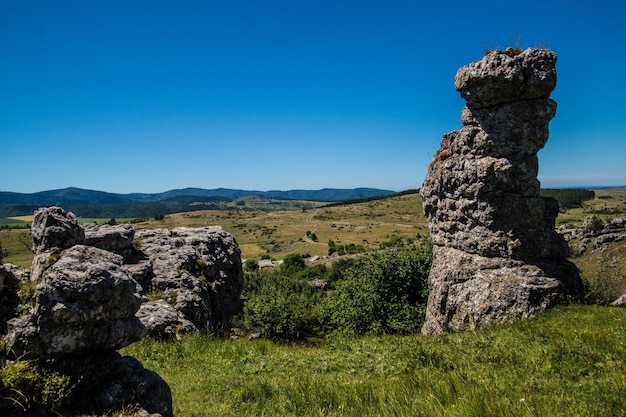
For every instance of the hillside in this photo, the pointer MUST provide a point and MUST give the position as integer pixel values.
(90, 203)
(262, 233)
(74, 195)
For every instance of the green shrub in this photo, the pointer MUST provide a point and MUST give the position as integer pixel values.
(595, 225)
(26, 386)
(292, 263)
(280, 305)
(383, 292)
(251, 265)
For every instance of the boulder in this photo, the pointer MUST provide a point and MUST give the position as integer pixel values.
(198, 270)
(620, 302)
(109, 381)
(52, 227)
(85, 301)
(53, 230)
(616, 225)
(497, 255)
(84, 309)
(606, 239)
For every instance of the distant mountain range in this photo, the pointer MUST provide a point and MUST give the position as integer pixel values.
(90, 203)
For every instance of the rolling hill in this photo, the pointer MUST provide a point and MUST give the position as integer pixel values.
(91, 203)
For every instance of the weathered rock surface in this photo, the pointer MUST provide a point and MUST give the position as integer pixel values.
(114, 238)
(84, 308)
(86, 301)
(9, 286)
(497, 254)
(90, 285)
(594, 230)
(112, 382)
(163, 321)
(198, 269)
(52, 227)
(53, 230)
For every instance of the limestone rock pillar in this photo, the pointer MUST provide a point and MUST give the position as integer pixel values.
(497, 256)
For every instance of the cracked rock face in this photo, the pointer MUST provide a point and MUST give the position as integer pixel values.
(85, 302)
(497, 254)
(198, 269)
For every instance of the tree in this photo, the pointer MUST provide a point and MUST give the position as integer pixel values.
(251, 265)
(293, 262)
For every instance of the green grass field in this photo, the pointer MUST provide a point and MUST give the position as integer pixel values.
(12, 222)
(570, 361)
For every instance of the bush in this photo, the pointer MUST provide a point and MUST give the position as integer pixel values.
(292, 263)
(383, 292)
(349, 249)
(280, 305)
(251, 265)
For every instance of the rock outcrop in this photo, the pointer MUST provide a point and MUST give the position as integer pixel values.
(85, 301)
(9, 300)
(53, 230)
(594, 230)
(497, 255)
(198, 271)
(90, 286)
(83, 309)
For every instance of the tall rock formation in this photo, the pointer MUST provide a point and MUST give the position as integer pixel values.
(497, 256)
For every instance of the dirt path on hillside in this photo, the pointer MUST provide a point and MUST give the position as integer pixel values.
(310, 220)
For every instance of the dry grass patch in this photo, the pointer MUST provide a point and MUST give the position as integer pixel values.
(27, 219)
(278, 233)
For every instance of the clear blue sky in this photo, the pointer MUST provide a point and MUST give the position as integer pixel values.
(147, 96)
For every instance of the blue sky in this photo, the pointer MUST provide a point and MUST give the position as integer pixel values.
(147, 96)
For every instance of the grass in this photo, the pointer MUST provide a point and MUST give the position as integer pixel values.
(16, 245)
(278, 233)
(10, 222)
(608, 204)
(604, 270)
(570, 361)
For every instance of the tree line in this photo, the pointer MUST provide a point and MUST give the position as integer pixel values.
(568, 198)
